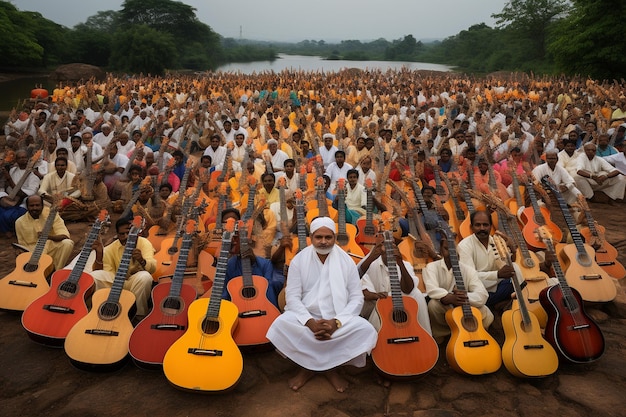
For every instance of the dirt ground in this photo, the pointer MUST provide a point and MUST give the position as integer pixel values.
(36, 380)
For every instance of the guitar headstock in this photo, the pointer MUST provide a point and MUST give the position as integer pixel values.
(582, 201)
(369, 184)
(320, 183)
(501, 246)
(298, 194)
(341, 184)
(137, 225)
(229, 228)
(282, 183)
(190, 227)
(543, 233)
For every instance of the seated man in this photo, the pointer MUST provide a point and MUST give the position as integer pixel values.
(596, 174)
(12, 208)
(142, 265)
(321, 328)
(444, 295)
(559, 175)
(375, 283)
(29, 226)
(58, 182)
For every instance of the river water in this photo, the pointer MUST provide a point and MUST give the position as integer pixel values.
(13, 92)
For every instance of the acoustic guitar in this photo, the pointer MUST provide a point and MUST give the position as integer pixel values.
(248, 293)
(403, 348)
(27, 281)
(574, 335)
(606, 254)
(206, 358)
(167, 321)
(346, 232)
(16, 196)
(471, 349)
(99, 341)
(367, 226)
(525, 352)
(536, 216)
(578, 259)
(49, 318)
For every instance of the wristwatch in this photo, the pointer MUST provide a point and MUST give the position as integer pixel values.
(338, 323)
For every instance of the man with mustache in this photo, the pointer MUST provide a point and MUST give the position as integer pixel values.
(479, 252)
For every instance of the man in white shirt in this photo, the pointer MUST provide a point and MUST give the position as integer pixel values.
(559, 175)
(104, 137)
(337, 169)
(596, 174)
(216, 152)
(328, 150)
(618, 160)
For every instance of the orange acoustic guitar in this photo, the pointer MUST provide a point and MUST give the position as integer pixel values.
(167, 321)
(49, 318)
(206, 358)
(27, 281)
(367, 226)
(248, 293)
(403, 349)
(606, 254)
(525, 352)
(99, 341)
(346, 232)
(471, 349)
(536, 216)
(578, 259)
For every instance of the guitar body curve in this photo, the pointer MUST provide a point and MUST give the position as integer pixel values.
(94, 344)
(574, 335)
(530, 226)
(49, 318)
(154, 335)
(407, 250)
(350, 245)
(606, 254)
(157, 239)
(403, 349)
(216, 364)
(471, 352)
(536, 279)
(525, 352)
(165, 261)
(592, 282)
(256, 313)
(20, 288)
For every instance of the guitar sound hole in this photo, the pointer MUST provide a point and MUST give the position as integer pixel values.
(248, 292)
(67, 289)
(172, 305)
(109, 311)
(30, 268)
(172, 251)
(400, 316)
(470, 324)
(210, 326)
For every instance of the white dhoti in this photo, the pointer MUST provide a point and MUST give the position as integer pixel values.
(612, 187)
(139, 283)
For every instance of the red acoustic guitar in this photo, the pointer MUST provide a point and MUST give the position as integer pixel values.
(167, 321)
(248, 293)
(574, 335)
(367, 235)
(403, 349)
(536, 216)
(49, 318)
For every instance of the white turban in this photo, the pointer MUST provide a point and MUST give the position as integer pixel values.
(322, 222)
(328, 135)
(272, 142)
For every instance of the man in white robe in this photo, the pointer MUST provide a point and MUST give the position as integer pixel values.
(321, 328)
(596, 174)
(559, 175)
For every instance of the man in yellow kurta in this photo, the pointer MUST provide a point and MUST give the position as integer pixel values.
(29, 226)
(142, 265)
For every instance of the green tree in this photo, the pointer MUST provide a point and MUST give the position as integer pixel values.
(589, 40)
(52, 37)
(18, 43)
(141, 49)
(529, 22)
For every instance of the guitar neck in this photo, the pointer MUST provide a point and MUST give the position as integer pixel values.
(301, 224)
(181, 266)
(246, 264)
(85, 252)
(569, 219)
(250, 208)
(541, 221)
(571, 302)
(341, 209)
(392, 268)
(213, 310)
(43, 237)
(122, 270)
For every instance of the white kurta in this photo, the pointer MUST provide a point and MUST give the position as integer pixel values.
(560, 177)
(612, 187)
(328, 290)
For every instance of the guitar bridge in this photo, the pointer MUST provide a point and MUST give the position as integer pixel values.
(167, 327)
(591, 277)
(252, 313)
(204, 352)
(608, 263)
(58, 309)
(579, 327)
(22, 283)
(528, 347)
(102, 332)
(476, 343)
(402, 340)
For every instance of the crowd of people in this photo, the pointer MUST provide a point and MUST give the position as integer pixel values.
(343, 147)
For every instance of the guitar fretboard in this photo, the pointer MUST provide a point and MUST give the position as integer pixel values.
(213, 310)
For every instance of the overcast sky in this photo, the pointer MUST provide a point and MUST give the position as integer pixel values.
(296, 20)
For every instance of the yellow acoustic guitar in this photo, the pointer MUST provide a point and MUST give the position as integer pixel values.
(99, 341)
(206, 358)
(525, 352)
(471, 349)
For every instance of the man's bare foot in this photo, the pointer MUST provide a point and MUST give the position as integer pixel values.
(300, 379)
(336, 380)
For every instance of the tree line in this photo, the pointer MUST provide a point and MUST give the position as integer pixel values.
(553, 37)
